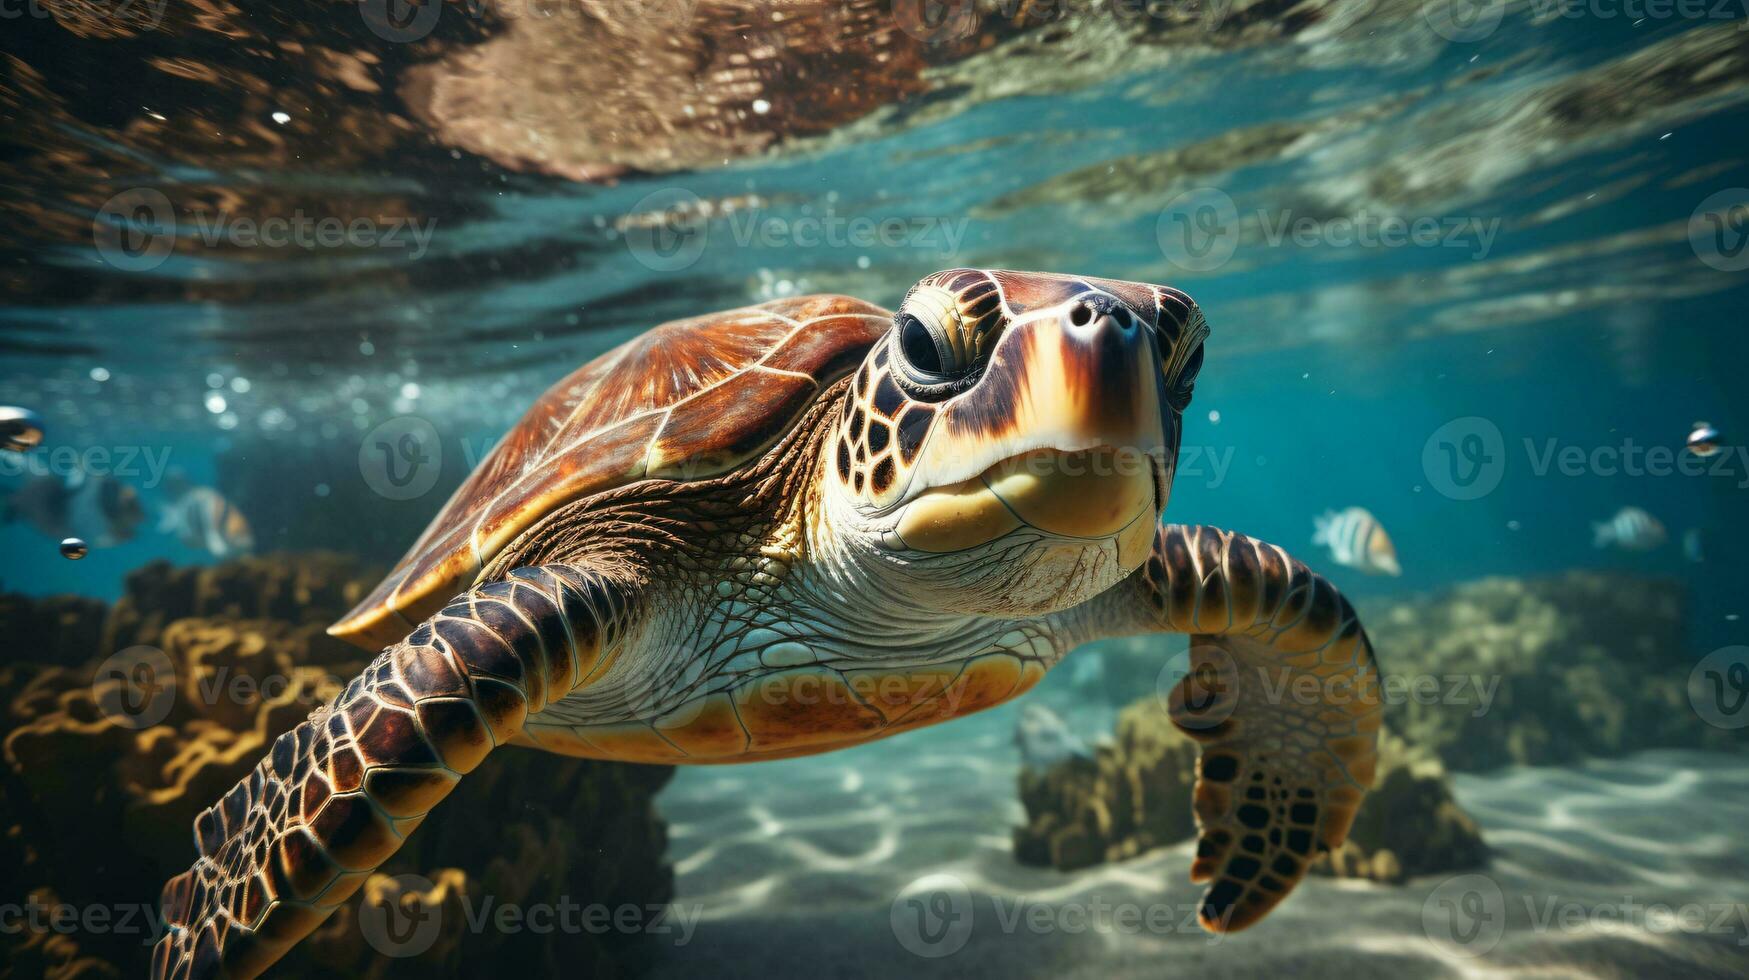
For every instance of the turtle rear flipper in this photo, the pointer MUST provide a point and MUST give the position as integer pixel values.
(338, 794)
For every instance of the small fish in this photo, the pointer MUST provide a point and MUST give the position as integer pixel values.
(99, 507)
(1691, 546)
(21, 429)
(201, 517)
(1703, 440)
(1045, 740)
(1356, 539)
(1631, 529)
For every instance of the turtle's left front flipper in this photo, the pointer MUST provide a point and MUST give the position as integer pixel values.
(1281, 690)
(340, 792)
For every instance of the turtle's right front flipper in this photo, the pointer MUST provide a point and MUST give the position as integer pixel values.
(340, 792)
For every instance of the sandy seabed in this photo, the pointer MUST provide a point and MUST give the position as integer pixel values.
(851, 865)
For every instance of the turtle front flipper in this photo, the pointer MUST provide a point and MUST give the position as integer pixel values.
(340, 792)
(1281, 690)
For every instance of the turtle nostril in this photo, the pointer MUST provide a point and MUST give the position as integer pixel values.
(1097, 308)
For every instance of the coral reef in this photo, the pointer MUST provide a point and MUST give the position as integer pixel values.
(190, 677)
(1506, 671)
(1410, 824)
(55, 630)
(1132, 796)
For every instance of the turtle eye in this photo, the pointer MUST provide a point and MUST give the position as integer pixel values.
(925, 349)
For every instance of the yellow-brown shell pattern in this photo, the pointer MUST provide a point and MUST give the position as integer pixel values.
(688, 400)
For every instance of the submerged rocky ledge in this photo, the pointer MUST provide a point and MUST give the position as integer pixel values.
(123, 721)
(1500, 671)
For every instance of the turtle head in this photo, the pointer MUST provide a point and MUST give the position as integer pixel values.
(1010, 443)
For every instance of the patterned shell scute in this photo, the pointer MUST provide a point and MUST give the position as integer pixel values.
(688, 400)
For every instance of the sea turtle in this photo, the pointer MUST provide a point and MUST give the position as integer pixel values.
(798, 526)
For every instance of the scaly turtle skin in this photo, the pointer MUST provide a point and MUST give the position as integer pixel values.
(799, 526)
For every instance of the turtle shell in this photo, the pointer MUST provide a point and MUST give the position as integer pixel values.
(688, 400)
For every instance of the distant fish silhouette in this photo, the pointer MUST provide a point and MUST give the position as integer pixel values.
(1692, 548)
(1631, 529)
(1045, 740)
(1356, 539)
(201, 517)
(100, 508)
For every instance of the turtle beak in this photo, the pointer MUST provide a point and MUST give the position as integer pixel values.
(1065, 431)
(1082, 376)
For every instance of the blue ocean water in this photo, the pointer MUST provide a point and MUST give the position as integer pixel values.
(1483, 286)
(1586, 317)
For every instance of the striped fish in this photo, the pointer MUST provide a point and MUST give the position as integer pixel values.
(1631, 529)
(202, 518)
(1356, 539)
